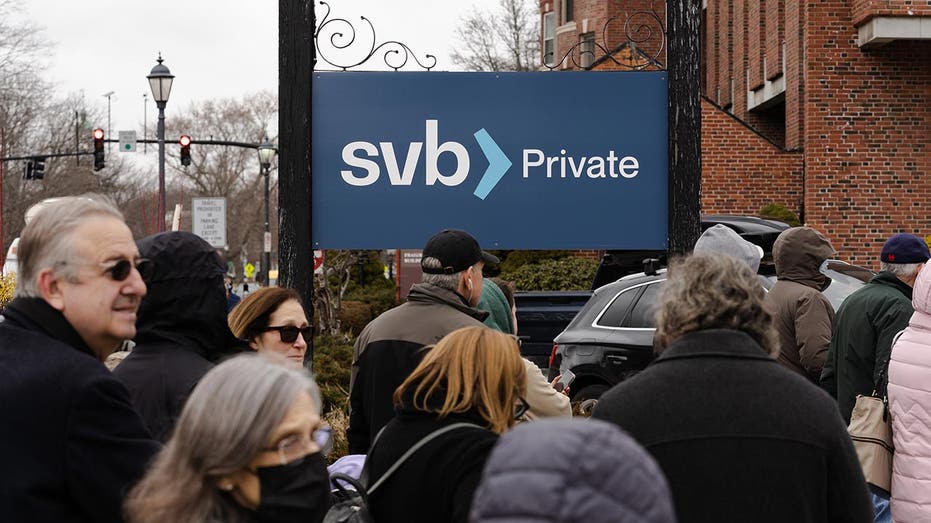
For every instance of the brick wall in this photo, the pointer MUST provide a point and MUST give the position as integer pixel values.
(864, 10)
(866, 138)
(742, 172)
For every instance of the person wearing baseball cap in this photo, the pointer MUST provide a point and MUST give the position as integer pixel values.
(865, 326)
(389, 347)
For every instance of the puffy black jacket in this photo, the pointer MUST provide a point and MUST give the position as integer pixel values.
(592, 473)
(182, 329)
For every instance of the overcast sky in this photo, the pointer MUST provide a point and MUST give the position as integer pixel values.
(215, 48)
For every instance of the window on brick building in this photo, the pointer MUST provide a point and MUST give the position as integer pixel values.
(587, 50)
(549, 38)
(567, 11)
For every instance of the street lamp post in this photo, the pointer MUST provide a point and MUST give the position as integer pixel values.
(266, 152)
(160, 79)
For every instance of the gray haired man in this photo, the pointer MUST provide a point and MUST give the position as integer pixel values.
(388, 349)
(72, 444)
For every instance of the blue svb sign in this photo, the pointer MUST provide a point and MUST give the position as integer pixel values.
(566, 160)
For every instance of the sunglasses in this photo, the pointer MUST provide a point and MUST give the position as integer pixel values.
(120, 269)
(288, 333)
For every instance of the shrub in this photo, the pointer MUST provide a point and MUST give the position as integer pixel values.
(379, 299)
(7, 286)
(780, 212)
(332, 364)
(567, 274)
(354, 316)
(513, 260)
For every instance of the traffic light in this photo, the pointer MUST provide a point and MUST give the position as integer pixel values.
(27, 170)
(38, 168)
(185, 142)
(99, 159)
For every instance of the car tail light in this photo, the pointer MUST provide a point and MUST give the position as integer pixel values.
(553, 354)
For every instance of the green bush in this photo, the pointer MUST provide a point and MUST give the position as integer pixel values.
(780, 212)
(513, 260)
(332, 366)
(567, 274)
(354, 316)
(379, 299)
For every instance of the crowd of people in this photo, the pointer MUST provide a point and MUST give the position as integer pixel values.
(742, 416)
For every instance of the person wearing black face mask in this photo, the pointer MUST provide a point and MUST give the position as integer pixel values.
(261, 460)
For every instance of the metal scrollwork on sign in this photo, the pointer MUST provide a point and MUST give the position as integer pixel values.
(337, 36)
(642, 45)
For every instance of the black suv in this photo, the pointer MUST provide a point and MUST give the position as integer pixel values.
(611, 338)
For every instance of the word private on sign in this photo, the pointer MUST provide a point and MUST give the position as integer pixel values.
(609, 166)
(397, 156)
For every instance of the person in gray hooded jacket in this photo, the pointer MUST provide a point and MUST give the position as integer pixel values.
(724, 240)
(593, 473)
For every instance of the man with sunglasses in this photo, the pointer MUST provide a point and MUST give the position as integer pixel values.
(182, 330)
(388, 349)
(72, 444)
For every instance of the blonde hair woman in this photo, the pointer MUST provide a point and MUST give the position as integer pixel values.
(473, 376)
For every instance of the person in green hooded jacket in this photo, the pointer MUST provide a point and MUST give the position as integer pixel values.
(868, 321)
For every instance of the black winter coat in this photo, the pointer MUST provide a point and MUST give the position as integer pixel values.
(71, 444)
(739, 436)
(389, 348)
(181, 331)
(435, 484)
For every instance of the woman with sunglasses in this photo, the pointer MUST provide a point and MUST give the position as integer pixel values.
(473, 376)
(273, 319)
(248, 448)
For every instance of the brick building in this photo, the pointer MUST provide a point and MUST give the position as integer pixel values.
(824, 107)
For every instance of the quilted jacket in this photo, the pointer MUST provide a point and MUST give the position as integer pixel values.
(558, 470)
(910, 403)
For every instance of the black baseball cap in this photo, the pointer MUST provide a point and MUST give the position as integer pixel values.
(457, 250)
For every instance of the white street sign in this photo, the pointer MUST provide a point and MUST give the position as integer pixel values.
(209, 220)
(128, 141)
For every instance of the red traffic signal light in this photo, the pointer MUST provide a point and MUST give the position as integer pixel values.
(185, 142)
(99, 159)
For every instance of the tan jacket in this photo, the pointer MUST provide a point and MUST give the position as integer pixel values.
(803, 317)
(543, 399)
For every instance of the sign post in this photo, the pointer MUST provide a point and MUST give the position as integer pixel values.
(209, 220)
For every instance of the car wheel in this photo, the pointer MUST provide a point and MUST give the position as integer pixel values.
(590, 392)
(584, 401)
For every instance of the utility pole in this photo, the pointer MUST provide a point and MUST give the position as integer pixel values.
(108, 95)
(684, 122)
(296, 60)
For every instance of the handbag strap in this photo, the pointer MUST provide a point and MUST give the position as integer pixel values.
(417, 446)
(879, 388)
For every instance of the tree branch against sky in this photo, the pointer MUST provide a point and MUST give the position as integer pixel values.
(504, 39)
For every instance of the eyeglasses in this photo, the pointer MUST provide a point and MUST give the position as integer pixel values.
(288, 333)
(120, 269)
(521, 408)
(294, 448)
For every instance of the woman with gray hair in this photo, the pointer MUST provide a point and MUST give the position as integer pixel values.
(738, 436)
(248, 447)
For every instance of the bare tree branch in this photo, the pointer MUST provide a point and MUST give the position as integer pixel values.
(506, 39)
